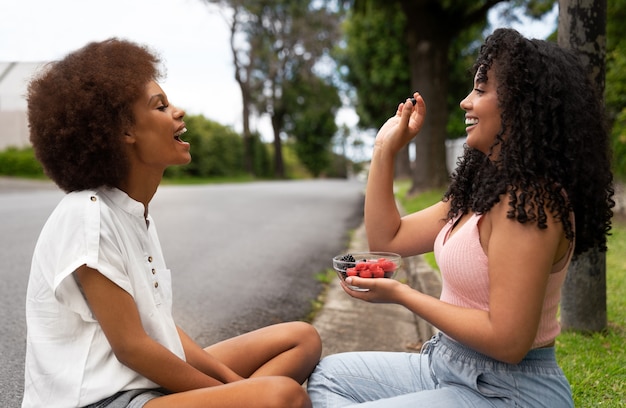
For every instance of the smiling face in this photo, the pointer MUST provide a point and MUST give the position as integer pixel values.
(154, 140)
(482, 112)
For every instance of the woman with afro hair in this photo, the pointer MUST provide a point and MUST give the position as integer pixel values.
(532, 190)
(99, 299)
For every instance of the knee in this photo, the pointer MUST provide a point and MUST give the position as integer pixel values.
(287, 393)
(308, 337)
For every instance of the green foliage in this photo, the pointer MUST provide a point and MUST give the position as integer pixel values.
(285, 40)
(216, 150)
(261, 157)
(311, 121)
(375, 61)
(618, 139)
(462, 54)
(615, 89)
(294, 169)
(20, 162)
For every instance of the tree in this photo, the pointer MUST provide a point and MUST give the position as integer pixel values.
(243, 58)
(582, 27)
(273, 41)
(377, 63)
(431, 28)
(312, 121)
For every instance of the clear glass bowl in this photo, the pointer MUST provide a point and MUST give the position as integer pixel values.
(366, 265)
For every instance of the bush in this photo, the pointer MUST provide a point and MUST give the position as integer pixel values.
(20, 162)
(618, 136)
(216, 150)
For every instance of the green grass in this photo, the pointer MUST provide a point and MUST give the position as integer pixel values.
(595, 364)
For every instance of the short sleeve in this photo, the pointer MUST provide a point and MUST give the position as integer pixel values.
(81, 238)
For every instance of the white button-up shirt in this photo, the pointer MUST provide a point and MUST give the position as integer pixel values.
(69, 361)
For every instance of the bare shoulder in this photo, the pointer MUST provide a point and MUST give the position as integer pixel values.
(500, 224)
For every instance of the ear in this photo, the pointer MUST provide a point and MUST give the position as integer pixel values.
(129, 137)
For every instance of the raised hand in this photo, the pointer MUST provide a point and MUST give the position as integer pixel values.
(398, 130)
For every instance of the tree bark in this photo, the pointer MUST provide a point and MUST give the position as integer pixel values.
(242, 74)
(582, 27)
(279, 165)
(428, 40)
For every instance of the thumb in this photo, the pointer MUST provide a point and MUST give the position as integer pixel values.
(356, 281)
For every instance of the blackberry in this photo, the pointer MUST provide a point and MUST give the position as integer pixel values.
(349, 260)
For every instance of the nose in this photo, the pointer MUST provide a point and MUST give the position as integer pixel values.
(178, 113)
(465, 103)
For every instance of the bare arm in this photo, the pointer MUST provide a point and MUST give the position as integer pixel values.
(520, 261)
(205, 362)
(386, 230)
(115, 310)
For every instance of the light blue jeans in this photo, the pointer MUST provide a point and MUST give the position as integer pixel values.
(446, 374)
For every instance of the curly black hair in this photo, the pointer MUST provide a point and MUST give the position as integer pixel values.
(555, 155)
(80, 107)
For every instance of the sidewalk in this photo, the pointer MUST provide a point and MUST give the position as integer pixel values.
(348, 324)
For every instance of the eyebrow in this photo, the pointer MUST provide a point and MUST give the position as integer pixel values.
(158, 96)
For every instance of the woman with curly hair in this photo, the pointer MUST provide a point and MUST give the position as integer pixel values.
(532, 190)
(99, 300)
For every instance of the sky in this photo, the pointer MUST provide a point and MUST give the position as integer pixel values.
(191, 37)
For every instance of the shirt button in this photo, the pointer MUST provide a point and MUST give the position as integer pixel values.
(156, 284)
(149, 259)
(93, 198)
(153, 271)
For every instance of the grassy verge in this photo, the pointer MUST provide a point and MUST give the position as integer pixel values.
(595, 364)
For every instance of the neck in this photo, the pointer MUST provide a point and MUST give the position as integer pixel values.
(141, 187)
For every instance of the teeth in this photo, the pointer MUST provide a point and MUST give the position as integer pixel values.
(180, 132)
(471, 121)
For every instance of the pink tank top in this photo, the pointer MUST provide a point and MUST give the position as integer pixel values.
(465, 276)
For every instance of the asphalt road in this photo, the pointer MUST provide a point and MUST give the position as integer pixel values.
(242, 256)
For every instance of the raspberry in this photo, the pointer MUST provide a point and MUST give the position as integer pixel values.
(388, 266)
(377, 271)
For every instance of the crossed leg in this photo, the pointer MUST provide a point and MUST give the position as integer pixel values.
(275, 361)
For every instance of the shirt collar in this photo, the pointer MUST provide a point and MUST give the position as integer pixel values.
(120, 199)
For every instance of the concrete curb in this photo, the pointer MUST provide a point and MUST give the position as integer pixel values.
(347, 324)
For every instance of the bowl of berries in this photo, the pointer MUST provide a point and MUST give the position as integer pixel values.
(366, 265)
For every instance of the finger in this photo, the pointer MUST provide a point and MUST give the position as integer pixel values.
(405, 115)
(358, 282)
(400, 108)
(420, 105)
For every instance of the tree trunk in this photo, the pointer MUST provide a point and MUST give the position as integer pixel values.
(244, 86)
(403, 164)
(279, 166)
(247, 134)
(583, 300)
(582, 27)
(428, 43)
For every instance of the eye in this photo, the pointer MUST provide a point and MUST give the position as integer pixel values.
(479, 91)
(163, 107)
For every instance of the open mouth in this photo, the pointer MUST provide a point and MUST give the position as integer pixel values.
(471, 121)
(178, 134)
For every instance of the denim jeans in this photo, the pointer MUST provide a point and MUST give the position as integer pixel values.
(446, 374)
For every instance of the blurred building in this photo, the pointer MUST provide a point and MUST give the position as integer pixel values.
(14, 77)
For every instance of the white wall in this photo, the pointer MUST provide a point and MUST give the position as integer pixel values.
(14, 78)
